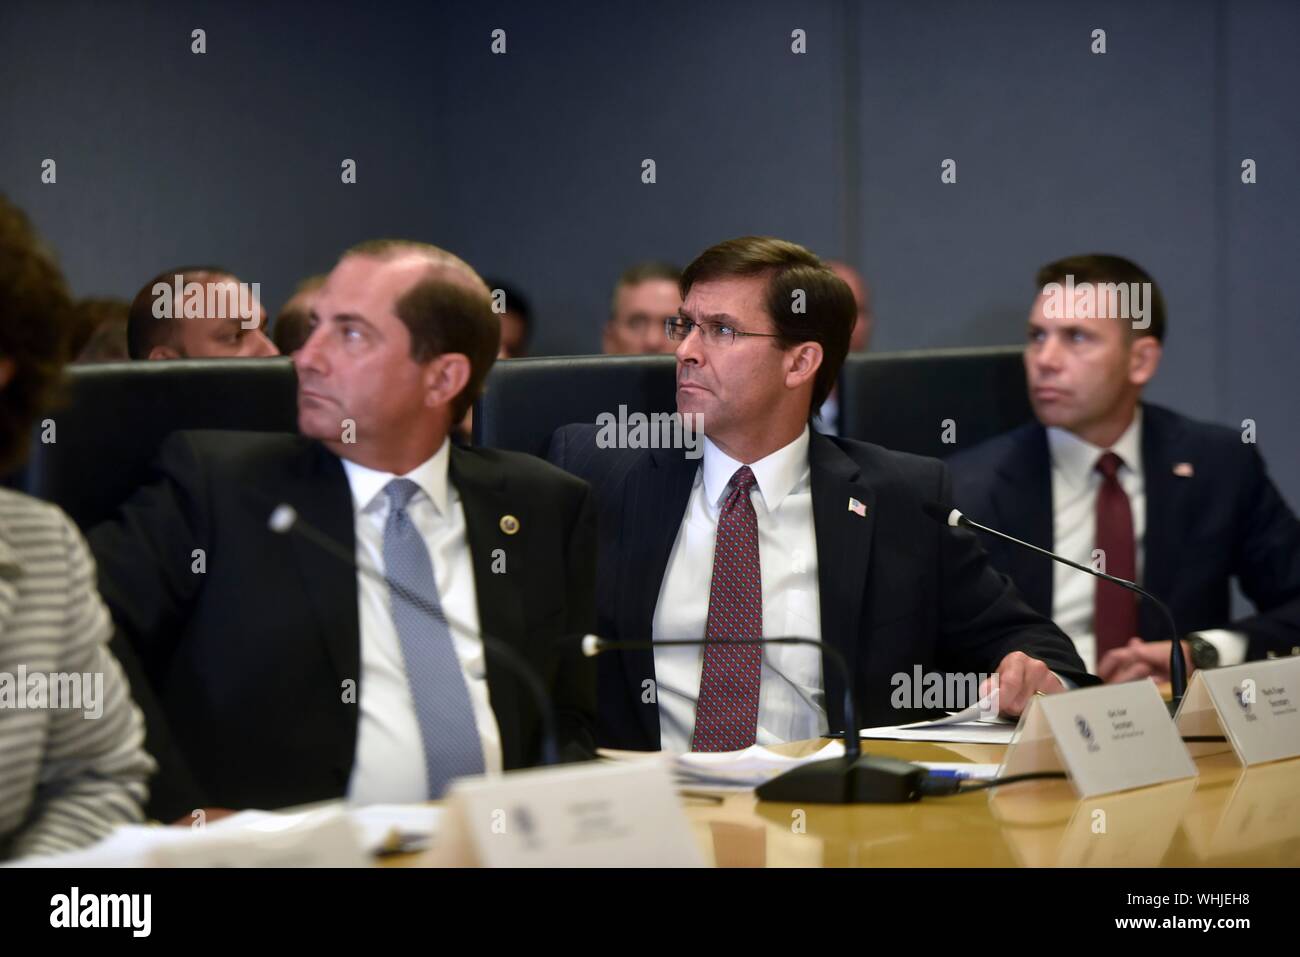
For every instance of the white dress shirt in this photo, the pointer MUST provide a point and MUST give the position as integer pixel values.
(1075, 484)
(791, 704)
(389, 764)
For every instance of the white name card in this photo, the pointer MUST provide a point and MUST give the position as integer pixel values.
(1256, 706)
(576, 815)
(1106, 738)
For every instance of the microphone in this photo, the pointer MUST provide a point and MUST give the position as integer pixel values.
(285, 520)
(854, 778)
(1177, 666)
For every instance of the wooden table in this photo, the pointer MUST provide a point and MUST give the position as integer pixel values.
(1226, 817)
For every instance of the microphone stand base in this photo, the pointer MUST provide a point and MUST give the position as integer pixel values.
(863, 779)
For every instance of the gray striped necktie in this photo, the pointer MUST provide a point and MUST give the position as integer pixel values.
(452, 747)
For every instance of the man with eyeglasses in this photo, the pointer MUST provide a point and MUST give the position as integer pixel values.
(780, 531)
(644, 296)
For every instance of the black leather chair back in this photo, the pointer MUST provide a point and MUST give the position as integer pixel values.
(901, 399)
(120, 412)
(526, 400)
(897, 399)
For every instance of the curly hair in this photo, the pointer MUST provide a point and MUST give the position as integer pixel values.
(35, 322)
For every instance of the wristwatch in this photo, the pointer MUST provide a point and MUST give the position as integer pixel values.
(1204, 654)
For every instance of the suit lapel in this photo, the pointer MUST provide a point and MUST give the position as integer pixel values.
(486, 500)
(318, 490)
(1023, 508)
(843, 557)
(654, 504)
(1165, 493)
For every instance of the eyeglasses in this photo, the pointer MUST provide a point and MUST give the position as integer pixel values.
(677, 328)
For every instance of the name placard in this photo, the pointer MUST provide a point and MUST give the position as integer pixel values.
(1255, 705)
(1106, 738)
(578, 815)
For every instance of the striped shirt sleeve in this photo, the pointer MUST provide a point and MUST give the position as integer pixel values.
(93, 770)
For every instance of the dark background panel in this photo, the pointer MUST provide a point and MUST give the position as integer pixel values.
(529, 164)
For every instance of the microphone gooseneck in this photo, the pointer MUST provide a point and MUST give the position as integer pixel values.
(1177, 665)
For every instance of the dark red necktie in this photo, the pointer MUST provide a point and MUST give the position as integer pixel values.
(726, 714)
(1115, 615)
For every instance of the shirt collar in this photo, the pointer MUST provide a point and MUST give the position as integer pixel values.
(367, 484)
(775, 474)
(1076, 459)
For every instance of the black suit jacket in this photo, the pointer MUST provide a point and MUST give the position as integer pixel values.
(249, 658)
(897, 589)
(1225, 519)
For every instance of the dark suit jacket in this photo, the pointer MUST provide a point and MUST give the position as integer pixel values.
(897, 589)
(1226, 519)
(249, 657)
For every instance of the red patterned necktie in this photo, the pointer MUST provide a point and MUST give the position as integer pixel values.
(726, 715)
(1115, 614)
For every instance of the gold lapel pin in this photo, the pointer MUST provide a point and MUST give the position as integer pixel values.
(509, 524)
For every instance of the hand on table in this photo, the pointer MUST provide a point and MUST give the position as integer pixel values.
(1139, 659)
(1020, 677)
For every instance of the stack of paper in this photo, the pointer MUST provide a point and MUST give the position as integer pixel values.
(329, 835)
(972, 726)
(742, 770)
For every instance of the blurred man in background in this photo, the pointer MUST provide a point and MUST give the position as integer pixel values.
(828, 416)
(645, 295)
(860, 341)
(290, 329)
(162, 326)
(516, 319)
(100, 334)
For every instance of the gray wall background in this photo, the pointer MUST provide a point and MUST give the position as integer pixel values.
(528, 164)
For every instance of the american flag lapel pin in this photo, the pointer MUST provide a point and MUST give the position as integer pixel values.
(857, 508)
(1184, 469)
